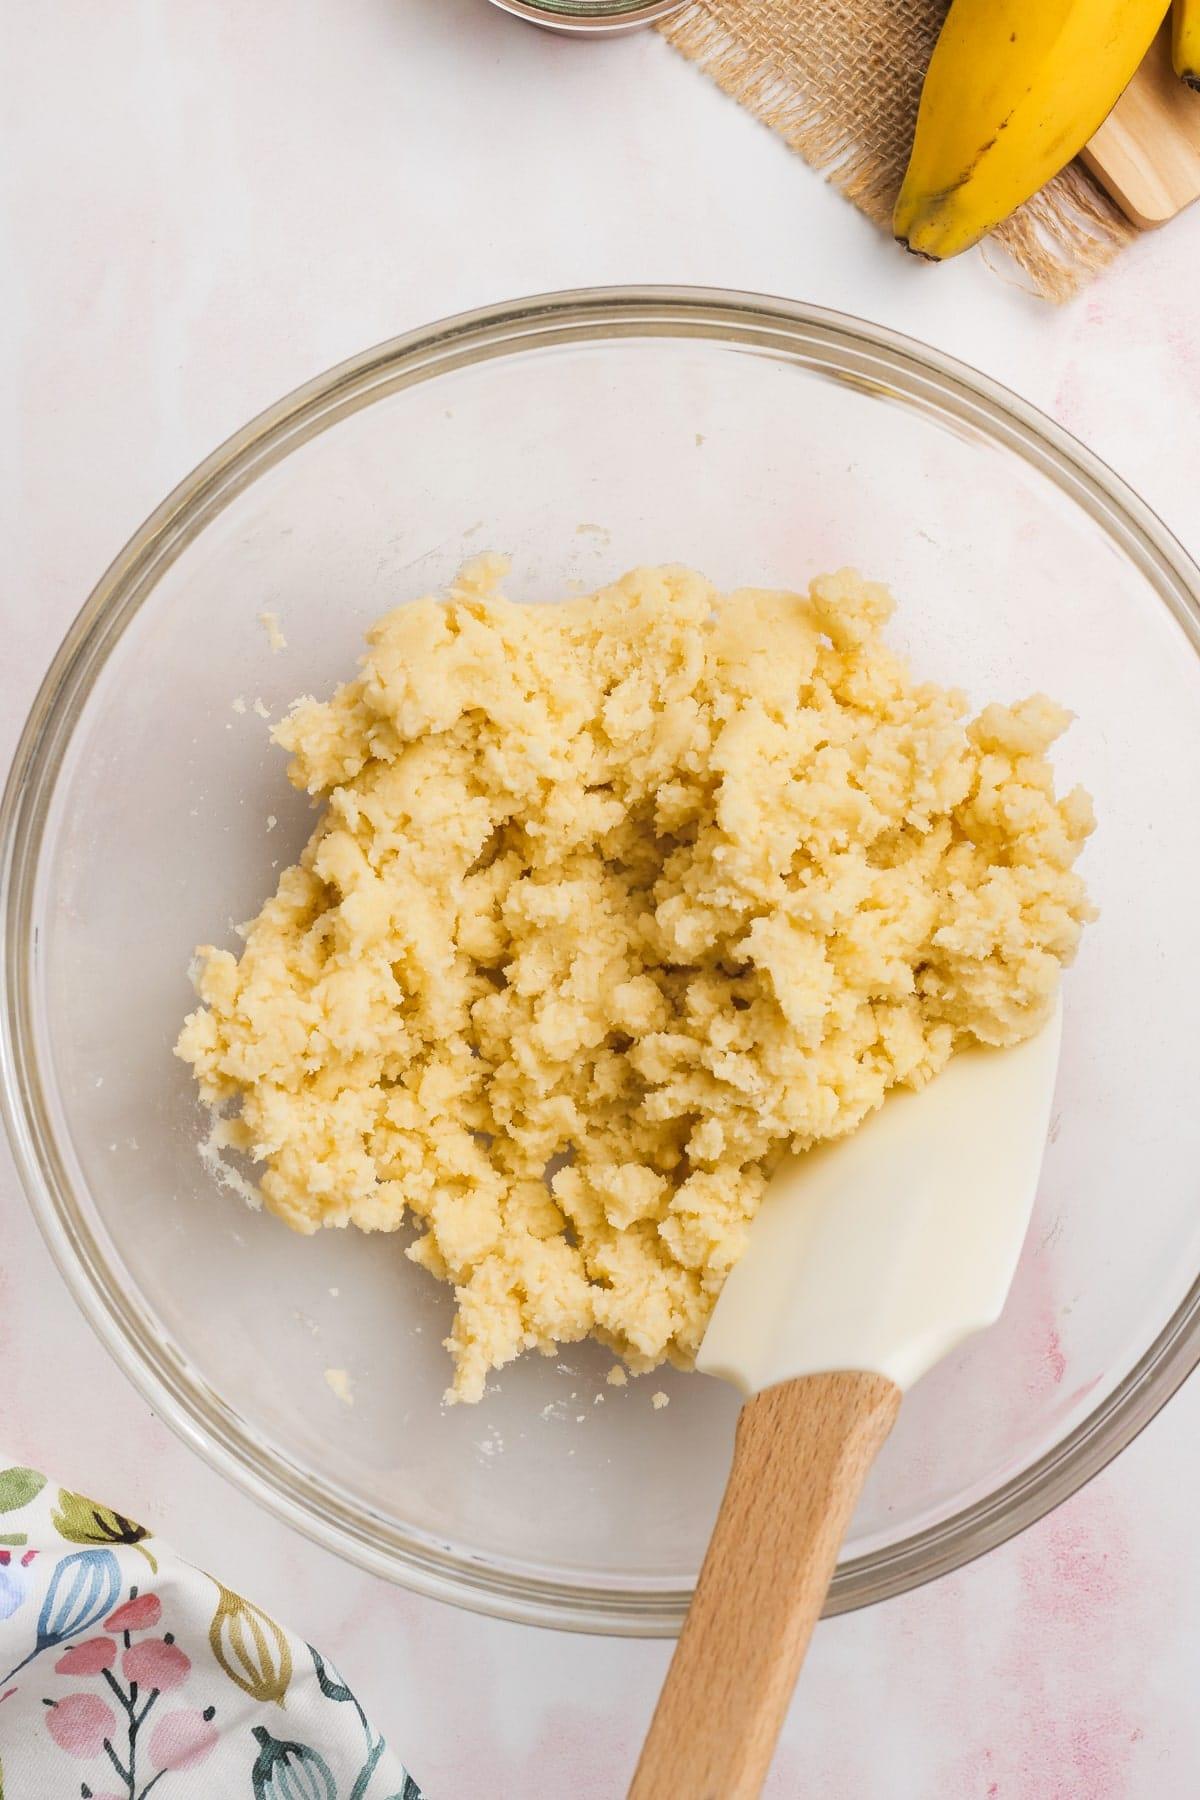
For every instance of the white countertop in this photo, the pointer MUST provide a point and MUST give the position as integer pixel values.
(206, 203)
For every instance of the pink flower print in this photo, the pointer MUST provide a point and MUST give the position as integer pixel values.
(91, 1657)
(156, 1663)
(140, 1614)
(80, 1723)
(182, 1739)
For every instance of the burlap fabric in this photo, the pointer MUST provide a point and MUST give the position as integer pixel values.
(839, 80)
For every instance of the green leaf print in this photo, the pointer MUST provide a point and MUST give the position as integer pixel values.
(84, 1521)
(329, 1681)
(18, 1487)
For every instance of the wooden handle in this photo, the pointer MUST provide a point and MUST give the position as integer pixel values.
(802, 1453)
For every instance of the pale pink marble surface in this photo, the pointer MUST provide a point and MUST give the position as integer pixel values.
(204, 204)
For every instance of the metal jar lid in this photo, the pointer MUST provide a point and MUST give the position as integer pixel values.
(591, 18)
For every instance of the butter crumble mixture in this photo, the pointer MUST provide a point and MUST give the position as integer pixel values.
(610, 902)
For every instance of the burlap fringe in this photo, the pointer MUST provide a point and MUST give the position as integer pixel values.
(1066, 234)
(1060, 239)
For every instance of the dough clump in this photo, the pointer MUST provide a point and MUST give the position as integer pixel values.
(609, 903)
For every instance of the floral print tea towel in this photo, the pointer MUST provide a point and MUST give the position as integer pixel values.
(125, 1672)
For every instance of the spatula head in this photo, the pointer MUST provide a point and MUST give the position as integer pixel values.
(885, 1249)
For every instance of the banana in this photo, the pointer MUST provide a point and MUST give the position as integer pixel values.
(1185, 40)
(1015, 88)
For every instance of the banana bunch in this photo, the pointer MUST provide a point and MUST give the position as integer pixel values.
(1014, 90)
(1185, 41)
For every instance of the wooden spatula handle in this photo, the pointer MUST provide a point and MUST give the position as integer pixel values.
(801, 1456)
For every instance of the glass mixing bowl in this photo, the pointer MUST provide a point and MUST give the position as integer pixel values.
(762, 442)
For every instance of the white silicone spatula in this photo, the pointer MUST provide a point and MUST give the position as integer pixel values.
(870, 1260)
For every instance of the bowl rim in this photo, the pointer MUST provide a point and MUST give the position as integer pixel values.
(156, 1369)
(596, 20)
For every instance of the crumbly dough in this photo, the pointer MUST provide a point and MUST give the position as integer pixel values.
(340, 1385)
(609, 902)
